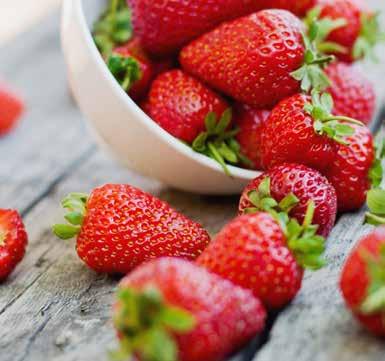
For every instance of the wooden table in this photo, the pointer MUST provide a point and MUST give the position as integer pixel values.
(53, 307)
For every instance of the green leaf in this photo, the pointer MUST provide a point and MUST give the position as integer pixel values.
(211, 122)
(113, 28)
(288, 203)
(218, 157)
(158, 345)
(224, 121)
(177, 319)
(65, 231)
(74, 218)
(370, 35)
(227, 153)
(376, 201)
(264, 188)
(374, 303)
(125, 69)
(199, 144)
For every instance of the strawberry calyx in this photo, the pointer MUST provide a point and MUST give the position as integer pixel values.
(125, 69)
(146, 325)
(75, 204)
(375, 298)
(262, 200)
(311, 74)
(302, 239)
(113, 27)
(370, 35)
(375, 198)
(323, 27)
(336, 127)
(219, 143)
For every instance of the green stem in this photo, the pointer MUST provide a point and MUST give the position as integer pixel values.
(323, 60)
(343, 119)
(374, 219)
(215, 154)
(126, 83)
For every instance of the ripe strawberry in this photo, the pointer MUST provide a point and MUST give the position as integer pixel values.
(363, 281)
(193, 113)
(351, 169)
(170, 310)
(119, 227)
(132, 69)
(11, 108)
(298, 7)
(352, 93)
(250, 122)
(179, 104)
(164, 27)
(302, 130)
(258, 59)
(360, 31)
(13, 241)
(296, 183)
(256, 252)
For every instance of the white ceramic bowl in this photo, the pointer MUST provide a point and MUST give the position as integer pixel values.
(122, 127)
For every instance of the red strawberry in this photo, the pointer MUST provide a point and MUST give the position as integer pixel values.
(192, 112)
(132, 68)
(361, 30)
(350, 170)
(165, 26)
(119, 227)
(256, 252)
(13, 241)
(302, 130)
(353, 94)
(179, 104)
(363, 281)
(258, 59)
(11, 108)
(298, 7)
(250, 122)
(287, 180)
(170, 310)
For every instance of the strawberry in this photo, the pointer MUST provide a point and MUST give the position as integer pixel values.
(258, 59)
(363, 281)
(195, 114)
(132, 69)
(11, 108)
(265, 253)
(358, 30)
(250, 122)
(302, 130)
(170, 309)
(179, 104)
(351, 171)
(298, 183)
(352, 93)
(13, 241)
(164, 27)
(119, 227)
(298, 7)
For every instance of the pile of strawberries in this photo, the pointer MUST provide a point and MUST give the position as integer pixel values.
(250, 86)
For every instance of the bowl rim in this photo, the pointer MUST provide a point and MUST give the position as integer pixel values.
(141, 116)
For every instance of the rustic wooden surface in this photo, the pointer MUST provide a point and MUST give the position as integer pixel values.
(53, 307)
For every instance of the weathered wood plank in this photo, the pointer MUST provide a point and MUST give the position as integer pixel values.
(61, 310)
(52, 135)
(317, 326)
